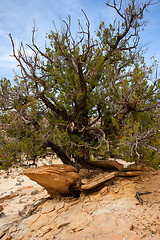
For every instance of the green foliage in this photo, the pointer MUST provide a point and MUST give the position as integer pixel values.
(84, 97)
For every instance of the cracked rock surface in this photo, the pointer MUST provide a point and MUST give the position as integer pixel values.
(112, 213)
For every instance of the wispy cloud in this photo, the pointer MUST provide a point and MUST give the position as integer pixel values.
(7, 62)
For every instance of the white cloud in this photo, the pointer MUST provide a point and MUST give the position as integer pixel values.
(7, 62)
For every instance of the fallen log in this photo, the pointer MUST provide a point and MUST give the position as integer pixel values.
(129, 174)
(107, 164)
(89, 183)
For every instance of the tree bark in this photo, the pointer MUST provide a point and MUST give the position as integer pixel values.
(84, 158)
(60, 153)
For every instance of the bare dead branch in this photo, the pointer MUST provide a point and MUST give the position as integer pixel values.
(36, 47)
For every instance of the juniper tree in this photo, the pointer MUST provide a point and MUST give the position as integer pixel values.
(84, 96)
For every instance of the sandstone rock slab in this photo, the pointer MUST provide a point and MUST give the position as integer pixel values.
(56, 179)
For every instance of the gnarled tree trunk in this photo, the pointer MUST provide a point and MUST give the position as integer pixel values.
(60, 153)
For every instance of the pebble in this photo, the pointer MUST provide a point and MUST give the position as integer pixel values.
(5, 177)
(34, 192)
(20, 180)
(24, 200)
(18, 184)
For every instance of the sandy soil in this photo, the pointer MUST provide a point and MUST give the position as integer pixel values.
(17, 191)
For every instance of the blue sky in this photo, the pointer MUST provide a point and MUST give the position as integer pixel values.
(16, 17)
